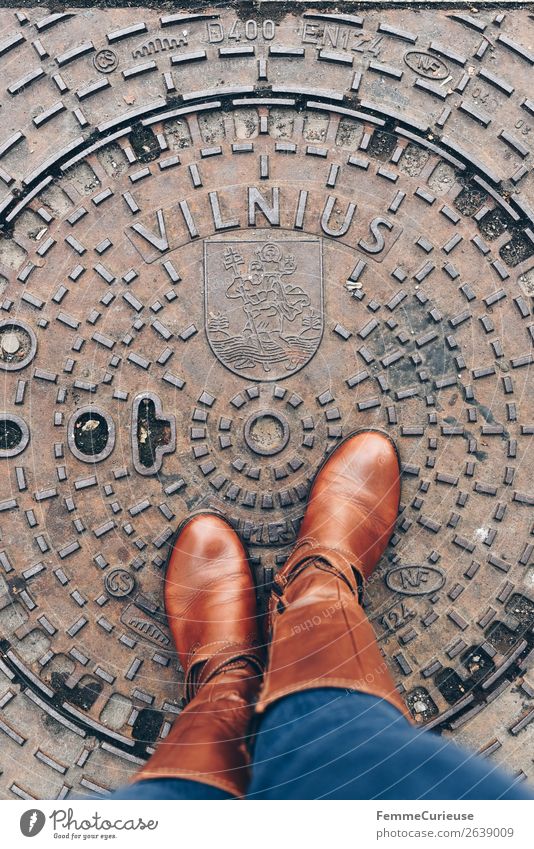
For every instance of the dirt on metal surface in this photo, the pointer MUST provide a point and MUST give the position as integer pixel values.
(228, 241)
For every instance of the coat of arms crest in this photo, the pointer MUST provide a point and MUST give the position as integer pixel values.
(264, 304)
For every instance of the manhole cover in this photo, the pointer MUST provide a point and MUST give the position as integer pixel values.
(256, 235)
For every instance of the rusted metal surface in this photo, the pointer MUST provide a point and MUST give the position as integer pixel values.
(230, 240)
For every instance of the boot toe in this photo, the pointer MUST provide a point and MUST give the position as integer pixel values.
(208, 537)
(365, 465)
(354, 500)
(209, 588)
(369, 454)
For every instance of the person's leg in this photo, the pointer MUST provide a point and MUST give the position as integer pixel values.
(335, 744)
(316, 740)
(211, 610)
(320, 635)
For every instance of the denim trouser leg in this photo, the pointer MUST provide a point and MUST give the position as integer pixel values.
(332, 744)
(170, 788)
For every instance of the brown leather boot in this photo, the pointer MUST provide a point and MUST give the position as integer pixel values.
(321, 636)
(211, 608)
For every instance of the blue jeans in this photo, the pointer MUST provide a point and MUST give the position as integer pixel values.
(333, 744)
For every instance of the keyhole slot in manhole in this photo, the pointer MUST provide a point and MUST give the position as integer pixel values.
(152, 432)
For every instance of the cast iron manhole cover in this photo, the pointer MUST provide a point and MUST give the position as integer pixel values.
(228, 242)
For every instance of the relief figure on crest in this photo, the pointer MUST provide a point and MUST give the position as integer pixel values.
(267, 321)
